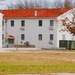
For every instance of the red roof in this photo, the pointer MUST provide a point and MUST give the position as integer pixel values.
(29, 13)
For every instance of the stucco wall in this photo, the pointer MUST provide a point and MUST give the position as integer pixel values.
(1, 30)
(68, 36)
(32, 30)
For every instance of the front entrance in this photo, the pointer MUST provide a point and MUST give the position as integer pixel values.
(10, 42)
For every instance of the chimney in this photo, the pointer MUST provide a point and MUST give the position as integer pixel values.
(35, 13)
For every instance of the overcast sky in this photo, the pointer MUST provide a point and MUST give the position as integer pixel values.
(3, 3)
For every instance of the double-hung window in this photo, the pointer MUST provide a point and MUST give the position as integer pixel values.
(51, 23)
(22, 36)
(23, 23)
(51, 37)
(40, 23)
(40, 37)
(12, 23)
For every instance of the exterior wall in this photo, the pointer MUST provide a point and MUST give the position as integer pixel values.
(68, 36)
(31, 32)
(1, 30)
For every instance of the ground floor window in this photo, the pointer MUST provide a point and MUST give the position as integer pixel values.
(11, 41)
(2, 36)
(22, 36)
(51, 37)
(40, 37)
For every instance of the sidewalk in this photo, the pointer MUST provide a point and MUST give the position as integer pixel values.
(2, 50)
(45, 74)
(21, 49)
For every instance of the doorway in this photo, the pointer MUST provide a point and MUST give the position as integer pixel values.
(10, 42)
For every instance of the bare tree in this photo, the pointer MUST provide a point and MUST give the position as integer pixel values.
(68, 3)
(64, 4)
(29, 4)
(58, 4)
(68, 21)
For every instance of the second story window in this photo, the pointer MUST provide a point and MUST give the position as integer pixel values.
(51, 22)
(40, 22)
(12, 23)
(22, 23)
(22, 37)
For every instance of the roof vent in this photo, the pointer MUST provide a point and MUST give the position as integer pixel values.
(35, 13)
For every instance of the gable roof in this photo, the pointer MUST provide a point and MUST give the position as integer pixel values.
(30, 13)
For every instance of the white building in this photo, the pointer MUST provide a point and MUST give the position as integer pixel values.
(1, 15)
(37, 26)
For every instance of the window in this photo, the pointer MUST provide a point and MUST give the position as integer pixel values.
(22, 23)
(12, 23)
(22, 36)
(51, 36)
(3, 23)
(2, 36)
(63, 37)
(51, 22)
(72, 37)
(40, 22)
(40, 37)
(11, 41)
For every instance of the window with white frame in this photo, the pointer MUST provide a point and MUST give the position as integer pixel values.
(63, 37)
(12, 23)
(51, 22)
(40, 23)
(40, 37)
(22, 23)
(2, 36)
(51, 37)
(3, 23)
(22, 36)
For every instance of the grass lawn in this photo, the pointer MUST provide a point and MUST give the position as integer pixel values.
(19, 62)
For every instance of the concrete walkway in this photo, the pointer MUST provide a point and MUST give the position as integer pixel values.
(45, 74)
(3, 50)
(66, 74)
(21, 48)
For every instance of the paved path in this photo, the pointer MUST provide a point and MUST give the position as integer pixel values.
(2, 50)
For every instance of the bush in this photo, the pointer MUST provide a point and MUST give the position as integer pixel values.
(27, 43)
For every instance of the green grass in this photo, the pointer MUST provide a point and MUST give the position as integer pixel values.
(36, 68)
(20, 63)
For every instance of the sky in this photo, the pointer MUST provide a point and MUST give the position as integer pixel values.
(3, 3)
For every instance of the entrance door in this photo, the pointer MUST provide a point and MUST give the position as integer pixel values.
(10, 43)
